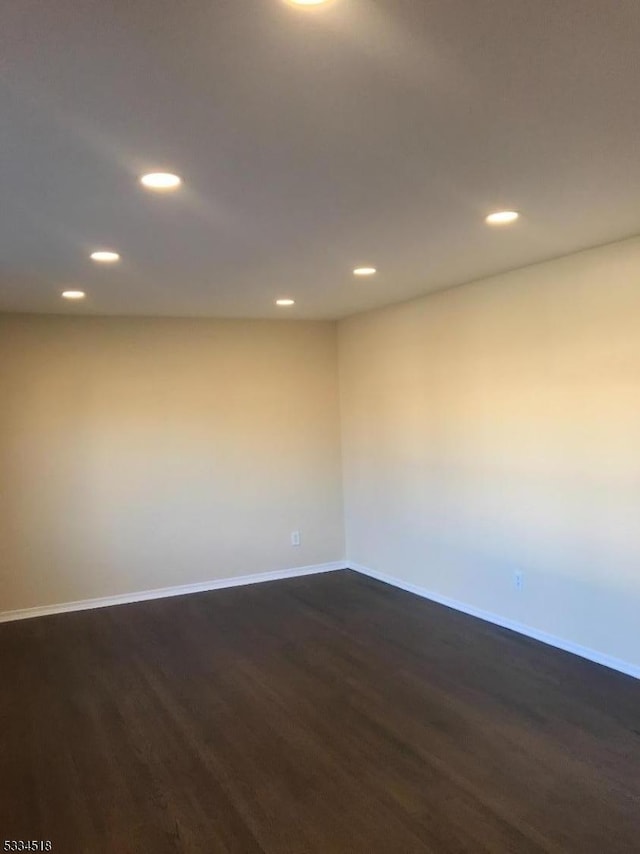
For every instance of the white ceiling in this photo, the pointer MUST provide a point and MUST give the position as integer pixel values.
(310, 141)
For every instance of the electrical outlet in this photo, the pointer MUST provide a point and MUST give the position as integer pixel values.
(518, 580)
(295, 538)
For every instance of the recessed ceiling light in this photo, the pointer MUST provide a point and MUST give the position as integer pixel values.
(307, 2)
(104, 256)
(73, 294)
(502, 217)
(285, 302)
(365, 271)
(161, 181)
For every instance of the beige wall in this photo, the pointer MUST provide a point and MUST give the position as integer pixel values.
(496, 427)
(143, 453)
(486, 429)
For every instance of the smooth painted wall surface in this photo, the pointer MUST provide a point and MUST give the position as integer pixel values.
(495, 427)
(144, 453)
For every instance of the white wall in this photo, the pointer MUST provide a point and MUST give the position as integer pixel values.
(496, 427)
(144, 453)
(486, 429)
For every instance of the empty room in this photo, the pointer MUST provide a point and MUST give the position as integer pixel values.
(320, 426)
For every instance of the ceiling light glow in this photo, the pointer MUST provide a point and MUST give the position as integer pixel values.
(104, 256)
(502, 217)
(161, 181)
(285, 302)
(307, 2)
(73, 294)
(365, 271)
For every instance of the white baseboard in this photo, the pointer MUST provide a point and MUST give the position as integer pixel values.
(162, 592)
(560, 643)
(257, 578)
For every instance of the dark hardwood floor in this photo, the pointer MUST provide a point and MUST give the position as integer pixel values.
(329, 714)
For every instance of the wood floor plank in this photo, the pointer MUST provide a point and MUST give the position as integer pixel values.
(322, 715)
